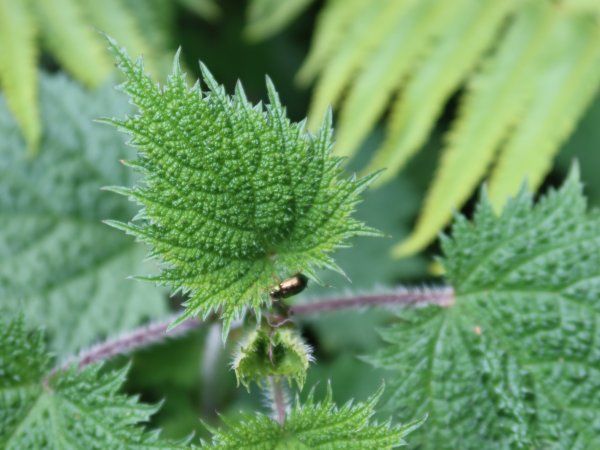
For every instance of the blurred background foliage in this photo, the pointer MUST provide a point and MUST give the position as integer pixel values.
(40, 40)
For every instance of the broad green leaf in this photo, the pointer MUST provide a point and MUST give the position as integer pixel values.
(312, 425)
(58, 263)
(267, 17)
(71, 409)
(514, 362)
(234, 197)
(17, 67)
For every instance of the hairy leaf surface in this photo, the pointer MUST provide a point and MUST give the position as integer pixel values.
(235, 197)
(58, 263)
(312, 425)
(514, 362)
(70, 409)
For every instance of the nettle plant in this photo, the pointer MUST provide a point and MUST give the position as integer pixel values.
(241, 208)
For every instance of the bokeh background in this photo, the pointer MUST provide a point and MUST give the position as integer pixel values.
(66, 270)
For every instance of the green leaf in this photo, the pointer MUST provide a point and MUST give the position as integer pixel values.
(312, 425)
(234, 198)
(267, 17)
(75, 409)
(58, 263)
(514, 362)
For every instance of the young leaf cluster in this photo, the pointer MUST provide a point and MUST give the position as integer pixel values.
(234, 197)
(514, 363)
(59, 265)
(68, 30)
(314, 425)
(530, 68)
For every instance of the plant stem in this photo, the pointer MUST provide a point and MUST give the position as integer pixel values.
(279, 403)
(443, 296)
(157, 331)
(138, 338)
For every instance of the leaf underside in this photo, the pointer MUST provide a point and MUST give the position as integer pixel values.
(514, 362)
(234, 198)
(530, 68)
(59, 264)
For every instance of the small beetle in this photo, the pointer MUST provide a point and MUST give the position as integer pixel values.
(289, 287)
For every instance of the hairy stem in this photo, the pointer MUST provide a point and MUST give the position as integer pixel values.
(157, 331)
(443, 296)
(278, 397)
(138, 338)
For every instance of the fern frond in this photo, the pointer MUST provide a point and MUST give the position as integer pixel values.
(114, 18)
(267, 17)
(68, 29)
(447, 65)
(330, 30)
(356, 53)
(410, 39)
(77, 46)
(18, 75)
(204, 8)
(563, 90)
(375, 22)
(502, 90)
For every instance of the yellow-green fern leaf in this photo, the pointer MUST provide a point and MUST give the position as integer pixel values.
(330, 31)
(18, 75)
(205, 8)
(77, 46)
(368, 96)
(378, 20)
(416, 110)
(113, 18)
(497, 99)
(566, 84)
(267, 17)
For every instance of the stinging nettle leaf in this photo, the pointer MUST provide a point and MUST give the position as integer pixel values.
(75, 409)
(314, 425)
(235, 198)
(514, 362)
(59, 264)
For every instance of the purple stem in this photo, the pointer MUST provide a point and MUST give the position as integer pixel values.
(157, 331)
